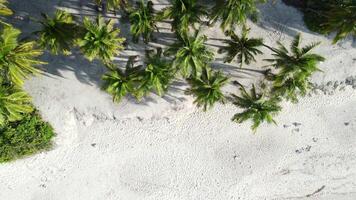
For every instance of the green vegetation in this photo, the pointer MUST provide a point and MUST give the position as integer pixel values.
(25, 137)
(185, 14)
(234, 12)
(207, 88)
(143, 22)
(59, 33)
(100, 40)
(244, 48)
(17, 60)
(190, 54)
(295, 68)
(257, 107)
(329, 16)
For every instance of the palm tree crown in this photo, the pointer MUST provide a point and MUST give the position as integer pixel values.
(13, 103)
(143, 21)
(342, 19)
(157, 75)
(191, 54)
(119, 83)
(257, 107)
(295, 68)
(58, 33)
(17, 60)
(207, 88)
(184, 13)
(101, 40)
(243, 48)
(234, 12)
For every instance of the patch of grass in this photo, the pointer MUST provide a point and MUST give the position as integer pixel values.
(25, 137)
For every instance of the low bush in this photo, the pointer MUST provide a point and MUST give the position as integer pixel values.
(25, 137)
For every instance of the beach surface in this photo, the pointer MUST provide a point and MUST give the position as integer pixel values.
(167, 149)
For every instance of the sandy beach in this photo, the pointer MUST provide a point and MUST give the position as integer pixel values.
(167, 149)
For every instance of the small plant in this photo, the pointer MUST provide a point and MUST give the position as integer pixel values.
(234, 12)
(17, 60)
(58, 34)
(25, 137)
(143, 22)
(191, 54)
(13, 104)
(257, 107)
(207, 88)
(119, 83)
(184, 13)
(295, 68)
(101, 40)
(243, 48)
(157, 75)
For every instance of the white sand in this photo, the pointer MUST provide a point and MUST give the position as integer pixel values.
(164, 148)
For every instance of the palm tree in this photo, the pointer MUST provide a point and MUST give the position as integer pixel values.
(13, 103)
(257, 107)
(342, 19)
(157, 75)
(234, 12)
(4, 10)
(184, 13)
(17, 60)
(101, 40)
(143, 21)
(191, 55)
(58, 34)
(119, 83)
(207, 88)
(295, 68)
(243, 48)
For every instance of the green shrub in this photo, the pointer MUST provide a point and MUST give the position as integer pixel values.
(25, 137)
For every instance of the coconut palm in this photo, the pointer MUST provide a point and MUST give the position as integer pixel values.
(157, 75)
(119, 83)
(4, 10)
(58, 33)
(243, 48)
(295, 68)
(256, 107)
(342, 19)
(234, 12)
(184, 13)
(101, 40)
(191, 54)
(143, 21)
(207, 88)
(17, 60)
(13, 103)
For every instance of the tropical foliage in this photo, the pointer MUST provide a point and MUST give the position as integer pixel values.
(112, 4)
(13, 104)
(101, 40)
(295, 67)
(158, 74)
(191, 54)
(25, 137)
(119, 83)
(342, 19)
(17, 60)
(184, 13)
(256, 107)
(4, 10)
(58, 34)
(143, 21)
(234, 12)
(207, 88)
(243, 48)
